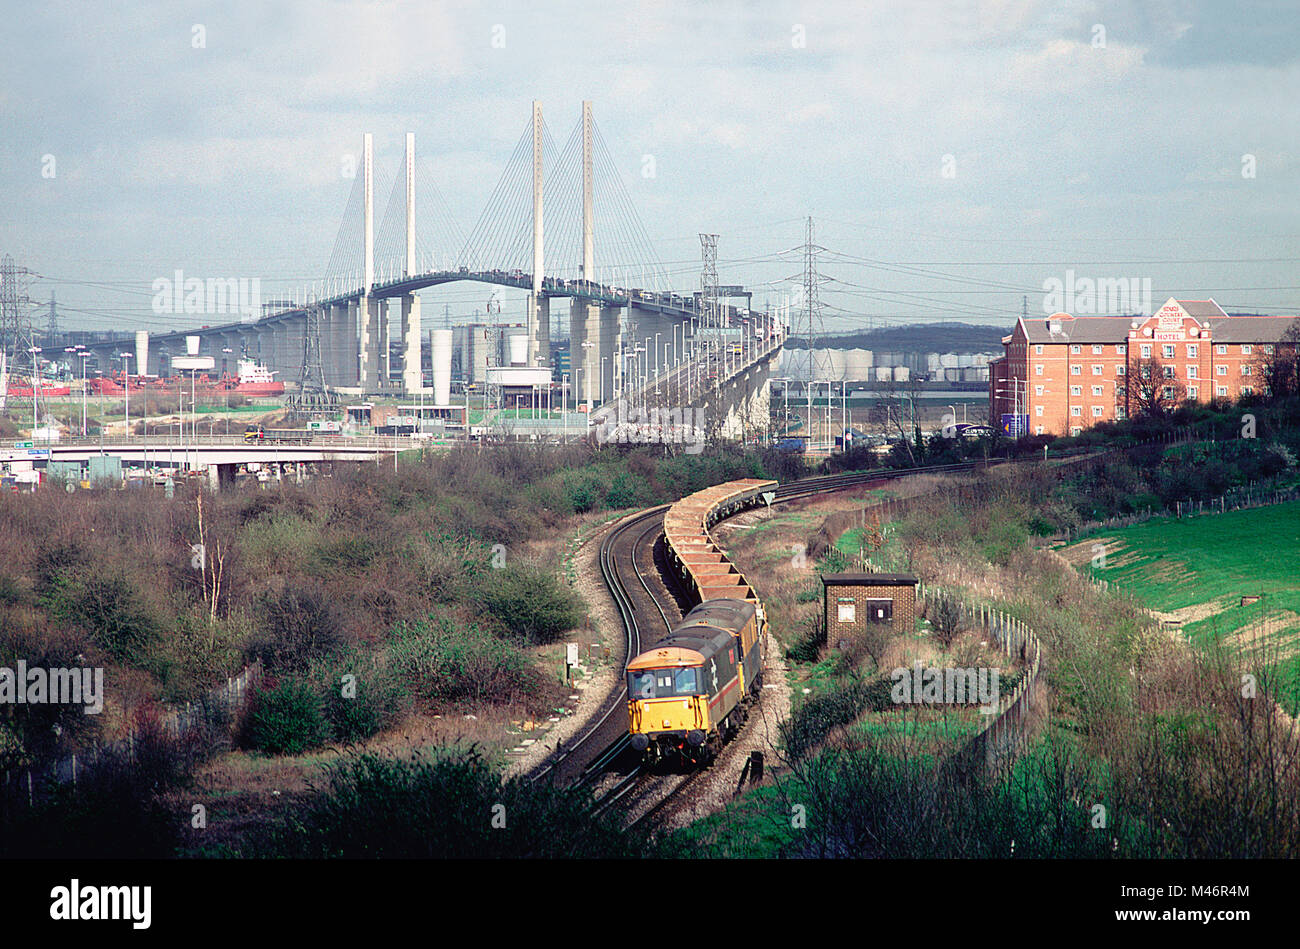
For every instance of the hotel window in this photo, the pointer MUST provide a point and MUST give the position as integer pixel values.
(1038, 390)
(1119, 370)
(1119, 412)
(1074, 350)
(1169, 372)
(1038, 349)
(1076, 411)
(1038, 370)
(1245, 370)
(1076, 430)
(1146, 350)
(1076, 370)
(1167, 350)
(1169, 392)
(1268, 350)
(1246, 349)
(1038, 411)
(1192, 351)
(1096, 411)
(1038, 429)
(1191, 372)
(1096, 349)
(1247, 390)
(1220, 370)
(1076, 390)
(1193, 392)
(1220, 390)
(1221, 349)
(1096, 390)
(1121, 349)
(1096, 370)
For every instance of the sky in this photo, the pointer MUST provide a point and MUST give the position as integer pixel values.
(955, 158)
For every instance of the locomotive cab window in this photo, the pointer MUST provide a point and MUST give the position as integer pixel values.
(662, 683)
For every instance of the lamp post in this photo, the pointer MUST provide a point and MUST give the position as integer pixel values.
(586, 373)
(84, 356)
(225, 392)
(564, 404)
(126, 374)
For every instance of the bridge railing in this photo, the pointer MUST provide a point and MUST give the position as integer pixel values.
(690, 380)
(162, 441)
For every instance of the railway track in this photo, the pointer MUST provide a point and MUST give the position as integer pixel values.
(627, 553)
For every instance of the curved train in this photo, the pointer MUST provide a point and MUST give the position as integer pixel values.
(692, 689)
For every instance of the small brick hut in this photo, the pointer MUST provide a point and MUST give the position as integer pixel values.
(852, 600)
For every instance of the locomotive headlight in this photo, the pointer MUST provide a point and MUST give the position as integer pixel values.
(695, 738)
(640, 742)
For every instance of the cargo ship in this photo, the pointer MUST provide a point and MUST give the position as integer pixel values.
(253, 379)
(22, 388)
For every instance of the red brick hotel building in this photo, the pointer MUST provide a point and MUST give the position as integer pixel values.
(1068, 372)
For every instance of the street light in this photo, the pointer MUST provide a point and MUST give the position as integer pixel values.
(225, 392)
(84, 356)
(586, 373)
(126, 372)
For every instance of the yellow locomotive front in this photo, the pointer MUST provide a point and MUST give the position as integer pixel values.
(668, 702)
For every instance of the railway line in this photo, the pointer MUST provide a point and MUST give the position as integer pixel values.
(645, 602)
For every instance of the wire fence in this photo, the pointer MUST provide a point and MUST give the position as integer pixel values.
(221, 706)
(1238, 499)
(1005, 731)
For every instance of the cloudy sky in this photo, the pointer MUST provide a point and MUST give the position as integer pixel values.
(954, 156)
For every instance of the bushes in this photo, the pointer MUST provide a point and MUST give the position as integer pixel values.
(529, 603)
(453, 807)
(286, 718)
(303, 626)
(445, 661)
(810, 723)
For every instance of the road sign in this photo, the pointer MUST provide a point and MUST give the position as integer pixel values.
(22, 444)
(769, 497)
(38, 453)
(1015, 425)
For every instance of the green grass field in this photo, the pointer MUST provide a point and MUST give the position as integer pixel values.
(1201, 567)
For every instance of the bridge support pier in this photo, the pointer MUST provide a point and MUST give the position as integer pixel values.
(370, 339)
(539, 330)
(283, 355)
(339, 345)
(221, 476)
(599, 326)
(412, 345)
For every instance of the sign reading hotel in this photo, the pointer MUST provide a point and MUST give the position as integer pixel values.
(1169, 322)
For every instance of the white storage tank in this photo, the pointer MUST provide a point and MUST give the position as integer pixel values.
(966, 360)
(948, 361)
(440, 352)
(519, 350)
(901, 373)
(884, 374)
(932, 363)
(142, 352)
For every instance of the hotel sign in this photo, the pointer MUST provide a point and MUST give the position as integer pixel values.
(1169, 322)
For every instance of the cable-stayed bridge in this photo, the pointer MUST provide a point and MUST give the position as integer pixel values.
(538, 233)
